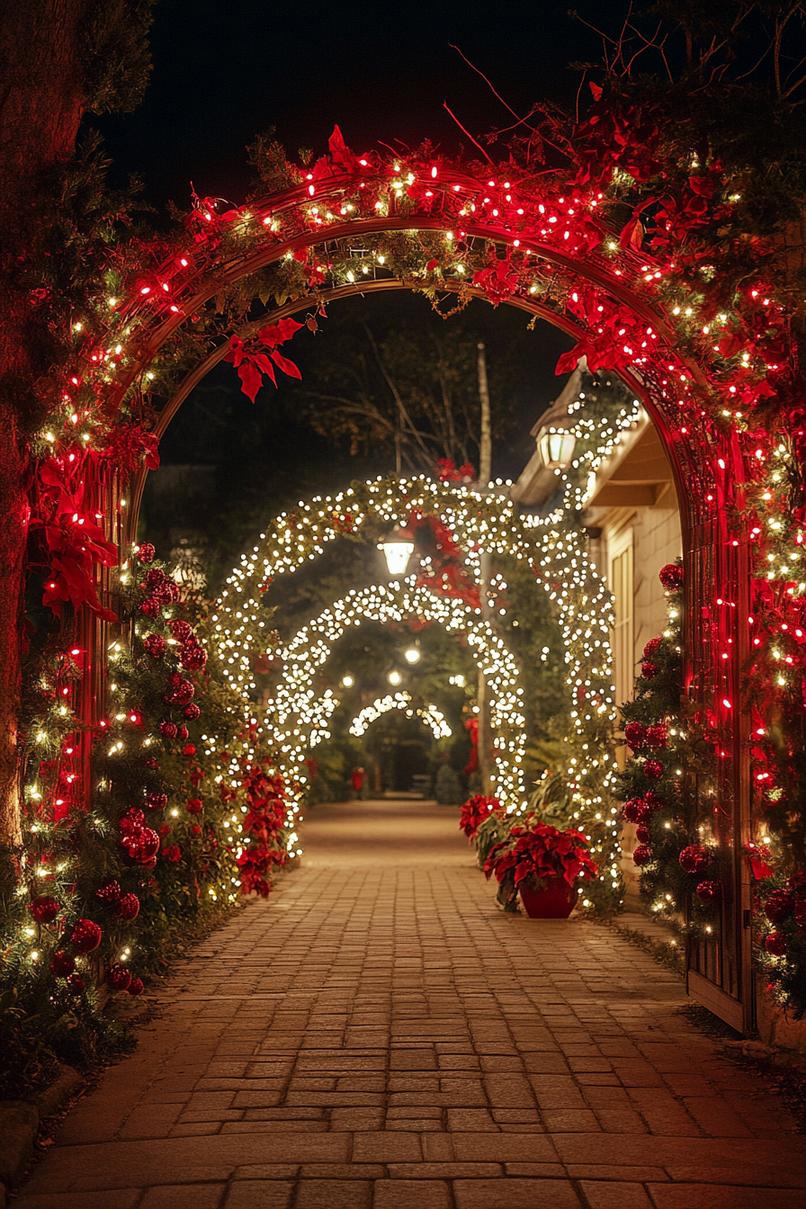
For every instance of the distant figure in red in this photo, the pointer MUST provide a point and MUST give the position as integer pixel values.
(357, 779)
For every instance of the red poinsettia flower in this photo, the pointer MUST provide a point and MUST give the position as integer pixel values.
(475, 811)
(258, 357)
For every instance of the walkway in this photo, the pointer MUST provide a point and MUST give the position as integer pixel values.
(379, 1036)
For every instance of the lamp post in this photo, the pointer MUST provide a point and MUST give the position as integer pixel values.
(397, 548)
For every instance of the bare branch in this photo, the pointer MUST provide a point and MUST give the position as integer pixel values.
(466, 132)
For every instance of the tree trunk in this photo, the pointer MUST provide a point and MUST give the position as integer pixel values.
(485, 430)
(40, 110)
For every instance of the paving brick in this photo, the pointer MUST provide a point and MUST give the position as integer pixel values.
(386, 1147)
(615, 1196)
(726, 1196)
(333, 1194)
(525, 1193)
(425, 1194)
(183, 1196)
(249, 1194)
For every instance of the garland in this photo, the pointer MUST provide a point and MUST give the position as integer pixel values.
(679, 862)
(103, 896)
(678, 865)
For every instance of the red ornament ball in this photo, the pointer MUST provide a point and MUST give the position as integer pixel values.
(775, 944)
(778, 906)
(45, 908)
(140, 843)
(635, 734)
(193, 657)
(183, 732)
(657, 735)
(649, 669)
(128, 906)
(172, 853)
(180, 630)
(654, 769)
(642, 855)
(85, 936)
(146, 553)
(638, 810)
(642, 833)
(155, 645)
(652, 647)
(156, 801)
(694, 858)
(195, 805)
(671, 576)
(118, 978)
(142, 848)
(136, 986)
(633, 810)
(62, 963)
(192, 711)
(109, 893)
(708, 892)
(168, 730)
(156, 578)
(189, 750)
(151, 607)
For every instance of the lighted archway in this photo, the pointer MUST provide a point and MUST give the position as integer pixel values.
(295, 714)
(430, 715)
(703, 358)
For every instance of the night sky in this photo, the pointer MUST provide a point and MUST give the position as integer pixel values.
(224, 71)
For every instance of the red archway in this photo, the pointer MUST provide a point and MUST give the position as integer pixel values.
(541, 246)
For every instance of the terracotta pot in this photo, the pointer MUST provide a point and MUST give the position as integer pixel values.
(555, 901)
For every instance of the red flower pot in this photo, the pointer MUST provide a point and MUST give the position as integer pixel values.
(554, 901)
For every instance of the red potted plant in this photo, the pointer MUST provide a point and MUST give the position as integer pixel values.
(541, 864)
(475, 811)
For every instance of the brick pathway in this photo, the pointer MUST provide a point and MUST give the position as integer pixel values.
(379, 1036)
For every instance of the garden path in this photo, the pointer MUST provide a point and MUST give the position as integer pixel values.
(379, 1036)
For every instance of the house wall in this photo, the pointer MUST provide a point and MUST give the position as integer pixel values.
(654, 535)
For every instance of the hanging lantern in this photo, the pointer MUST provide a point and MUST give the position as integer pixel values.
(397, 550)
(555, 445)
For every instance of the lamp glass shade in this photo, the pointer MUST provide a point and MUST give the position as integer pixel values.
(556, 448)
(397, 550)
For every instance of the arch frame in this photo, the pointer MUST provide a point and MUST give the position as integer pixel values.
(724, 560)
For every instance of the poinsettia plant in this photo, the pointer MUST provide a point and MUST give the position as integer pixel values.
(259, 356)
(533, 853)
(475, 811)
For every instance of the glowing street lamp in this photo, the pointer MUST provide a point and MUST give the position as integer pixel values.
(555, 443)
(412, 654)
(397, 548)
